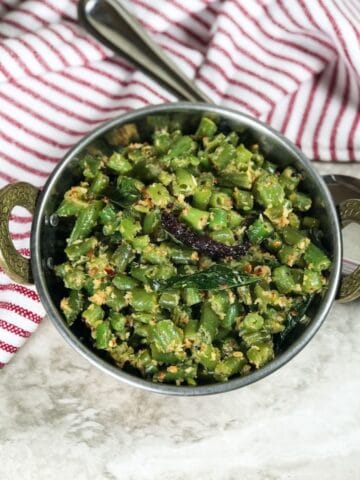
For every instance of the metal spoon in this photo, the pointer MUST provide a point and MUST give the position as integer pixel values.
(116, 28)
(343, 187)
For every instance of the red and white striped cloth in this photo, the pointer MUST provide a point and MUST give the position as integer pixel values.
(292, 63)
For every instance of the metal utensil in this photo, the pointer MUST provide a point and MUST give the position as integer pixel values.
(116, 28)
(343, 187)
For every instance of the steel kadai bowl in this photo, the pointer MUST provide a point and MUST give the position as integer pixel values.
(49, 234)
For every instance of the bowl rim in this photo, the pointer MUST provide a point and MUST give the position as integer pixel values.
(116, 372)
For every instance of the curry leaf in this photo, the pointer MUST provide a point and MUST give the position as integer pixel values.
(217, 277)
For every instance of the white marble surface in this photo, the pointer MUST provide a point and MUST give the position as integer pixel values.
(63, 419)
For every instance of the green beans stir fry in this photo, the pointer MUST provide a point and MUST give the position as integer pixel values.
(170, 311)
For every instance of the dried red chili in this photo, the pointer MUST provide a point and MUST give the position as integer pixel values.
(199, 242)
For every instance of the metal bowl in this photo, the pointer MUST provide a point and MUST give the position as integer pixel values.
(48, 235)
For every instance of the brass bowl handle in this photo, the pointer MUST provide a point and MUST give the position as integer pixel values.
(15, 265)
(349, 211)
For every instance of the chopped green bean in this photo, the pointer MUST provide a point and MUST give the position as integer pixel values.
(86, 222)
(300, 201)
(259, 230)
(169, 300)
(289, 179)
(221, 200)
(143, 301)
(122, 257)
(225, 236)
(166, 336)
(103, 335)
(195, 218)
(209, 322)
(77, 250)
(191, 296)
(268, 191)
(284, 280)
(98, 185)
(151, 222)
(119, 164)
(218, 219)
(206, 128)
(123, 282)
(93, 315)
(243, 200)
(184, 183)
(158, 194)
(312, 281)
(201, 198)
(72, 306)
(229, 366)
(316, 259)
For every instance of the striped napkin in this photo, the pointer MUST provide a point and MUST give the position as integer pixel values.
(292, 63)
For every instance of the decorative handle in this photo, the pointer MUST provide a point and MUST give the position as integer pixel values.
(16, 195)
(349, 212)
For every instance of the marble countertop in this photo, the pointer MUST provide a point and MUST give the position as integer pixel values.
(63, 419)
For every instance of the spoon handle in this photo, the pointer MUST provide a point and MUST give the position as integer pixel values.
(116, 28)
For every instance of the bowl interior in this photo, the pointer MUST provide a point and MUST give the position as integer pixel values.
(49, 234)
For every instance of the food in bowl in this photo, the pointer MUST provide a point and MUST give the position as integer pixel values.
(191, 256)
